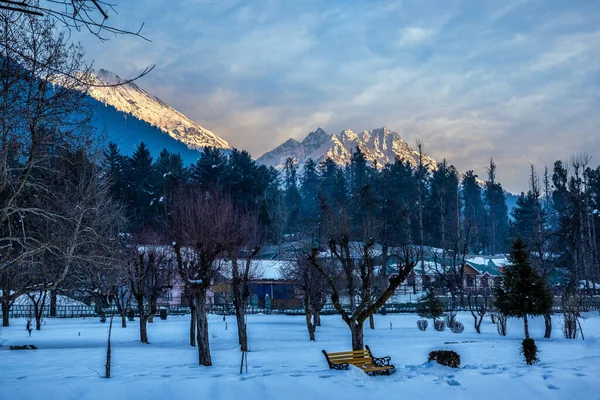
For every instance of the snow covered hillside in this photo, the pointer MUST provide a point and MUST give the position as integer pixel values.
(131, 99)
(381, 146)
(284, 364)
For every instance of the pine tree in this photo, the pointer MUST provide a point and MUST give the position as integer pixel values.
(141, 189)
(523, 292)
(497, 213)
(114, 165)
(291, 194)
(429, 306)
(209, 170)
(474, 211)
(525, 217)
(309, 191)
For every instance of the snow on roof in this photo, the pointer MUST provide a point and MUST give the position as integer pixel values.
(61, 300)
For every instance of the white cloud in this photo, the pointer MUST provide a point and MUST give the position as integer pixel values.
(412, 35)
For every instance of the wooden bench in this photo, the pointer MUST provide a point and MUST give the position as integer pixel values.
(362, 359)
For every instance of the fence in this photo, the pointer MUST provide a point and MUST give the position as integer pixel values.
(293, 307)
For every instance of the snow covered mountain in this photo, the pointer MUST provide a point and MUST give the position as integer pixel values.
(380, 146)
(130, 99)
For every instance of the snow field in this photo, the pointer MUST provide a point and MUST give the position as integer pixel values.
(284, 364)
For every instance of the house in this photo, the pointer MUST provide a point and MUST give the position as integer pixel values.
(485, 275)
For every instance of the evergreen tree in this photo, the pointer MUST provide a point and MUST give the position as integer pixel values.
(309, 191)
(114, 165)
(170, 173)
(141, 187)
(209, 170)
(291, 194)
(474, 212)
(363, 201)
(429, 306)
(332, 185)
(497, 213)
(442, 206)
(525, 216)
(523, 292)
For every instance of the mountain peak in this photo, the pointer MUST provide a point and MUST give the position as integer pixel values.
(131, 99)
(380, 146)
(108, 78)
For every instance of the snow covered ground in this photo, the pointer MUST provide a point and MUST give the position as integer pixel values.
(283, 364)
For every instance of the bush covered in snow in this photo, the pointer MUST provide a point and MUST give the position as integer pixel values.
(439, 325)
(457, 327)
(422, 324)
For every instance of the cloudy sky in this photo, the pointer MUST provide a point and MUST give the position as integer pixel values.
(516, 80)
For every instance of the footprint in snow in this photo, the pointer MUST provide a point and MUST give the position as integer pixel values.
(552, 387)
(296, 375)
(546, 376)
(453, 382)
(579, 374)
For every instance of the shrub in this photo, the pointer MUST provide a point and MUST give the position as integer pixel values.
(501, 324)
(130, 315)
(457, 327)
(529, 350)
(570, 325)
(448, 358)
(429, 306)
(439, 325)
(450, 318)
(163, 314)
(422, 324)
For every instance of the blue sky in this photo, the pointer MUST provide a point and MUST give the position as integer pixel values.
(516, 80)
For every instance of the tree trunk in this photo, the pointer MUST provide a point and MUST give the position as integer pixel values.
(38, 320)
(240, 317)
(371, 321)
(526, 326)
(192, 320)
(358, 339)
(53, 298)
(310, 323)
(317, 318)
(5, 311)
(123, 321)
(143, 321)
(477, 323)
(548, 325)
(202, 329)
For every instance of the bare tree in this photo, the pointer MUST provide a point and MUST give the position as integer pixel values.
(91, 15)
(244, 247)
(41, 112)
(479, 305)
(151, 266)
(358, 277)
(202, 229)
(312, 284)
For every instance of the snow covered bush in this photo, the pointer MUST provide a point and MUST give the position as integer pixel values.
(439, 325)
(163, 314)
(450, 318)
(501, 324)
(529, 350)
(457, 327)
(448, 358)
(422, 324)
